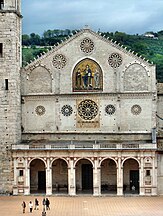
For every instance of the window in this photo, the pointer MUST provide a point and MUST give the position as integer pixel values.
(1, 50)
(20, 172)
(6, 84)
(148, 173)
(1, 4)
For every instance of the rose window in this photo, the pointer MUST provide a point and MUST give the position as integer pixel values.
(88, 109)
(136, 109)
(40, 110)
(110, 109)
(59, 61)
(87, 45)
(115, 60)
(66, 110)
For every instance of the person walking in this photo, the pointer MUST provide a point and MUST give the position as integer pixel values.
(44, 204)
(36, 204)
(47, 204)
(24, 206)
(30, 206)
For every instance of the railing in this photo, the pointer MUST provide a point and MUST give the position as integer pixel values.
(85, 146)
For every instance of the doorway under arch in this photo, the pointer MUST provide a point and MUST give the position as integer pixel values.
(37, 176)
(59, 176)
(131, 176)
(108, 177)
(84, 177)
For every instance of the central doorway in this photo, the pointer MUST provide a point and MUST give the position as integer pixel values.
(41, 180)
(87, 177)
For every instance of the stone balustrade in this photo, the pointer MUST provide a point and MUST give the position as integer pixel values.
(87, 146)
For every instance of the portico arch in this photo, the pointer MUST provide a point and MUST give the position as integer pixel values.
(84, 176)
(108, 176)
(131, 175)
(37, 176)
(59, 176)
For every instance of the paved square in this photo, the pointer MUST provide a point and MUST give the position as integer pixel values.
(85, 206)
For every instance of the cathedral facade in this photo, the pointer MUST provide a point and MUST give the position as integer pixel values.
(86, 117)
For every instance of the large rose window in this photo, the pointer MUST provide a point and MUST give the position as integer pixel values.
(87, 109)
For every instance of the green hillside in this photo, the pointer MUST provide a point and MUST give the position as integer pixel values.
(150, 48)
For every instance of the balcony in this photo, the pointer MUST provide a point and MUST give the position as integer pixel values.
(84, 145)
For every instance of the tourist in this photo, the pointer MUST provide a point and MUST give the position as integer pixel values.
(36, 204)
(24, 206)
(47, 204)
(30, 206)
(44, 204)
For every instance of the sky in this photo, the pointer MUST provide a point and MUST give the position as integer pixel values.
(129, 16)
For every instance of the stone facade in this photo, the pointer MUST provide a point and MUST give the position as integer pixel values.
(87, 116)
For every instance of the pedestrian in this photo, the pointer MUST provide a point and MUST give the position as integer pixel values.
(47, 204)
(24, 206)
(44, 204)
(30, 206)
(36, 204)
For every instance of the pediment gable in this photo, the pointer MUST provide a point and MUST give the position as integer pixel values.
(86, 46)
(88, 62)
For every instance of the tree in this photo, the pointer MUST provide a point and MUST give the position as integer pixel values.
(25, 40)
(34, 39)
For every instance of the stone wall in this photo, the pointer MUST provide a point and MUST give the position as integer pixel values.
(10, 114)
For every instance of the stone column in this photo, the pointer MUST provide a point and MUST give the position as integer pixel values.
(141, 177)
(26, 178)
(96, 179)
(15, 186)
(48, 178)
(71, 179)
(119, 178)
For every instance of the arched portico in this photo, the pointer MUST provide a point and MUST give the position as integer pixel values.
(37, 176)
(84, 176)
(108, 176)
(59, 176)
(131, 176)
(89, 175)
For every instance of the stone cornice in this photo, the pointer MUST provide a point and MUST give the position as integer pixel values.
(94, 94)
(12, 11)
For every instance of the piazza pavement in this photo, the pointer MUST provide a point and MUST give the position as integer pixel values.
(85, 206)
